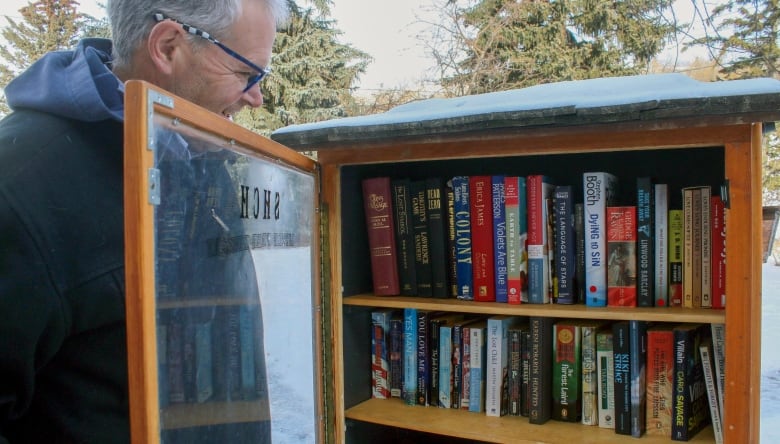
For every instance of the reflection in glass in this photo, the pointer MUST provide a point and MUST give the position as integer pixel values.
(234, 294)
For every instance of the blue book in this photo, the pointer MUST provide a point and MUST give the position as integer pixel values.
(410, 356)
(565, 260)
(465, 279)
(445, 366)
(477, 361)
(499, 237)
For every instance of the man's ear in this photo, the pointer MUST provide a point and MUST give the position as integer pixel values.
(164, 45)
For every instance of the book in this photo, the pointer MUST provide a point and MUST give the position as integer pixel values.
(605, 365)
(718, 221)
(437, 236)
(434, 346)
(380, 357)
(706, 248)
(465, 364)
(675, 286)
(621, 332)
(396, 354)
(539, 190)
(621, 264)
(499, 237)
(497, 369)
(693, 246)
(540, 364)
(661, 241)
(660, 379)
(457, 362)
(645, 241)
(589, 369)
(638, 361)
(409, 393)
(423, 357)
(712, 394)
(422, 258)
(599, 191)
(718, 333)
(404, 237)
(579, 237)
(515, 370)
(377, 204)
(446, 374)
(567, 372)
(452, 248)
(477, 365)
(690, 393)
(525, 364)
(522, 224)
(482, 252)
(464, 273)
(565, 258)
(175, 360)
(512, 215)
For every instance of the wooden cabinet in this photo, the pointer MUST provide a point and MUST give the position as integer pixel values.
(679, 131)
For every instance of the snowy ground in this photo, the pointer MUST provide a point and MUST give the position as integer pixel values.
(770, 354)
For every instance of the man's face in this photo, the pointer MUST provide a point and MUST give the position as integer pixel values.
(211, 78)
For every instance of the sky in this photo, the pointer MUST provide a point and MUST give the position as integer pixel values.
(391, 39)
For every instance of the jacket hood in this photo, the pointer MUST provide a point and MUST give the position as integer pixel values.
(75, 84)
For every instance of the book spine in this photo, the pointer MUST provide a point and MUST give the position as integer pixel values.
(539, 190)
(233, 346)
(566, 373)
(645, 239)
(522, 223)
(377, 204)
(676, 247)
(565, 261)
(410, 356)
(718, 252)
(437, 236)
(590, 411)
(605, 365)
(477, 372)
(579, 237)
(499, 237)
(464, 273)
(445, 366)
(660, 381)
(204, 376)
(621, 264)
(598, 189)
(175, 360)
(622, 350)
(422, 259)
(452, 248)
(434, 344)
(525, 365)
(465, 364)
(696, 252)
(404, 236)
(515, 371)
(380, 362)
(188, 359)
(512, 201)
(396, 356)
(540, 380)
(457, 365)
(712, 396)
(690, 392)
(706, 248)
(247, 316)
(687, 280)
(423, 359)
(638, 364)
(719, 359)
(661, 240)
(495, 342)
(482, 239)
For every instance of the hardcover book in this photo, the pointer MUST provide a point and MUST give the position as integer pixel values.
(565, 258)
(540, 380)
(380, 355)
(567, 372)
(660, 380)
(718, 218)
(599, 189)
(539, 191)
(675, 258)
(422, 255)
(499, 237)
(482, 251)
(464, 273)
(661, 241)
(605, 365)
(497, 376)
(404, 237)
(377, 204)
(621, 265)
(690, 392)
(437, 236)
(645, 241)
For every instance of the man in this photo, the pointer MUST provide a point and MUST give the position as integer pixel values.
(63, 363)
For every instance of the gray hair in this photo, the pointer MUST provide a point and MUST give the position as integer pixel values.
(131, 20)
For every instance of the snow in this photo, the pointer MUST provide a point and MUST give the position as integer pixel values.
(770, 354)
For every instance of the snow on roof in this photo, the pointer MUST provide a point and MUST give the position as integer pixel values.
(602, 96)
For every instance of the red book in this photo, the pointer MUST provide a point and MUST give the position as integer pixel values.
(660, 380)
(482, 238)
(377, 203)
(621, 253)
(718, 225)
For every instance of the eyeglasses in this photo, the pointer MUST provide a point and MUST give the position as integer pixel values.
(251, 81)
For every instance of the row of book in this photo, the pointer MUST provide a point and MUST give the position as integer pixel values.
(523, 239)
(635, 377)
(210, 355)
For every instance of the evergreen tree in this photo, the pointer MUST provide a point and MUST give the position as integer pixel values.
(312, 74)
(491, 45)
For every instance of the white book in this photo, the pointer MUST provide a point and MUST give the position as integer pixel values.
(497, 350)
(445, 366)
(477, 342)
(719, 358)
(661, 281)
(712, 397)
(599, 189)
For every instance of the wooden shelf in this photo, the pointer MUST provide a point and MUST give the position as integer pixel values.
(478, 426)
(549, 310)
(177, 416)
